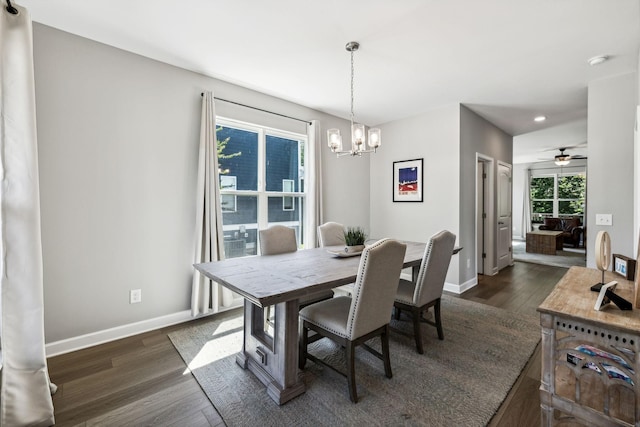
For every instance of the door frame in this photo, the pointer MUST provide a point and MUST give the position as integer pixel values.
(489, 267)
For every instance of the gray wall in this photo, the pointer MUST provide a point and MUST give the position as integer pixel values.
(118, 145)
(448, 139)
(432, 136)
(477, 136)
(610, 187)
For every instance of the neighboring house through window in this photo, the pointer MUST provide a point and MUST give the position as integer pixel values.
(261, 183)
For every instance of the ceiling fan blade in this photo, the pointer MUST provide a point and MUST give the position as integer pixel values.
(565, 147)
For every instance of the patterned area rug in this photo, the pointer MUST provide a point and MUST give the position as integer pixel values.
(568, 257)
(459, 381)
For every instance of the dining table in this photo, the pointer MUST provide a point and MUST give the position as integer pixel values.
(272, 286)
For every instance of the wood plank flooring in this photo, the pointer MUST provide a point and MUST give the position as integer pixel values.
(142, 381)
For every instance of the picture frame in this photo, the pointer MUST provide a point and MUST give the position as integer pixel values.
(624, 266)
(603, 299)
(408, 180)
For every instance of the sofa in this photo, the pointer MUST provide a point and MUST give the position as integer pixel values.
(572, 230)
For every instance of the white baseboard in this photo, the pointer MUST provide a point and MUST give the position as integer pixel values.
(463, 287)
(450, 287)
(83, 341)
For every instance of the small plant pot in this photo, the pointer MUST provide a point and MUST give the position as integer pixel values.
(353, 249)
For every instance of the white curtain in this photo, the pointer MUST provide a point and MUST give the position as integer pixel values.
(526, 204)
(209, 234)
(314, 185)
(25, 389)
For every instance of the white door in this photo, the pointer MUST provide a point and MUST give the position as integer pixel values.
(505, 257)
(480, 216)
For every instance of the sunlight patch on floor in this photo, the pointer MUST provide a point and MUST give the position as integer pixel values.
(226, 341)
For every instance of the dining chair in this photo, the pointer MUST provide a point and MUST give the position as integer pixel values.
(279, 239)
(427, 290)
(331, 234)
(352, 321)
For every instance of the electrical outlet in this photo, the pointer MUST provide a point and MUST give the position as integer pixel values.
(468, 263)
(604, 219)
(135, 296)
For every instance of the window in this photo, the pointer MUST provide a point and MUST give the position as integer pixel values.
(261, 183)
(228, 201)
(542, 195)
(288, 203)
(557, 196)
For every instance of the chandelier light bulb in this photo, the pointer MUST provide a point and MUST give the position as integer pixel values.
(357, 135)
(374, 138)
(334, 139)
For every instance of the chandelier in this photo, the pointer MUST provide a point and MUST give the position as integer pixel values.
(358, 139)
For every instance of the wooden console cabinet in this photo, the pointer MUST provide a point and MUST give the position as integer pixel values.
(590, 364)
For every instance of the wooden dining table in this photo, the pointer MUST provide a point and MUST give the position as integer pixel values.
(279, 281)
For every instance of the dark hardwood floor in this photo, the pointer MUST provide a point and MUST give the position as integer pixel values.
(142, 380)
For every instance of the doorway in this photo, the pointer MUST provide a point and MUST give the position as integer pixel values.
(485, 248)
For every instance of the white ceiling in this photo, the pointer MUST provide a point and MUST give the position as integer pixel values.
(508, 60)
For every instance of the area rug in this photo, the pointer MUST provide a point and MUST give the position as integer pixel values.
(461, 380)
(568, 257)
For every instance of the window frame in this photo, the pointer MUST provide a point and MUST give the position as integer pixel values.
(556, 199)
(261, 193)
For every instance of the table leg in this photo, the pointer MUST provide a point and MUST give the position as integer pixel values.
(547, 377)
(274, 360)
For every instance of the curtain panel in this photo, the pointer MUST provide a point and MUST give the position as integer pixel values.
(526, 207)
(25, 389)
(314, 179)
(209, 236)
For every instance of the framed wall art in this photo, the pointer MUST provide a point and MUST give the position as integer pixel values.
(408, 180)
(624, 266)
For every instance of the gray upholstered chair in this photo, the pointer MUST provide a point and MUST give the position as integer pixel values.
(427, 290)
(352, 321)
(279, 239)
(331, 234)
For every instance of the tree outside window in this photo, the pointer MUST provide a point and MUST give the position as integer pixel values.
(557, 196)
(542, 192)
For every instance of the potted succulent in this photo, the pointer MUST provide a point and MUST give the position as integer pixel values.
(354, 238)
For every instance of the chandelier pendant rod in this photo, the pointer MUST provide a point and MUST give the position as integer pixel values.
(352, 72)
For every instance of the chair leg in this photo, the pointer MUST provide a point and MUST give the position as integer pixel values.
(302, 345)
(436, 309)
(417, 330)
(351, 374)
(384, 337)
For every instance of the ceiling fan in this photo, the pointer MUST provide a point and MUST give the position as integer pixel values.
(563, 158)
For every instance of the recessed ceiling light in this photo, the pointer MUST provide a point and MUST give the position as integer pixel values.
(597, 60)
(540, 119)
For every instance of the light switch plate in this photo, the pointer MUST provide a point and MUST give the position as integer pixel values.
(604, 219)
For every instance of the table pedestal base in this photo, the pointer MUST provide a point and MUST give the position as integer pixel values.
(273, 359)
